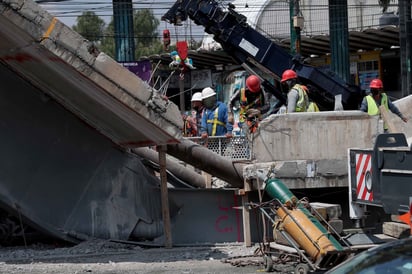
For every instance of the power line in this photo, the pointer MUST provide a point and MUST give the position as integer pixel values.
(317, 24)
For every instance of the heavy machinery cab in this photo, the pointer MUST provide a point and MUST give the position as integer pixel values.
(381, 176)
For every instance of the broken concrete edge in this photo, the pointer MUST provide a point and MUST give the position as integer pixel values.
(105, 72)
(300, 174)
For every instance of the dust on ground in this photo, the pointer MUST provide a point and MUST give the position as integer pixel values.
(105, 256)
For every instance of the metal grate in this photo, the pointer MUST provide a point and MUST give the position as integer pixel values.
(235, 148)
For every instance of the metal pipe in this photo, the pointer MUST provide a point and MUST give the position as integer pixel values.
(185, 174)
(207, 160)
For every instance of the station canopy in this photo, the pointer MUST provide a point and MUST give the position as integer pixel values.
(265, 15)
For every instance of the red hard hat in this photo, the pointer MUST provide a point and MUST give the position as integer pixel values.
(376, 83)
(253, 83)
(288, 74)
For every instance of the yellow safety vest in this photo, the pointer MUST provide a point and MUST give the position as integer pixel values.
(313, 107)
(373, 108)
(303, 100)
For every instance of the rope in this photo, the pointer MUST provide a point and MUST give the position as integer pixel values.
(155, 69)
(163, 89)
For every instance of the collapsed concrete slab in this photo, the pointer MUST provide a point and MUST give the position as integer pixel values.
(70, 69)
(69, 114)
(309, 150)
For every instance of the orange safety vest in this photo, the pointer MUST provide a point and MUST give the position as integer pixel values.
(245, 105)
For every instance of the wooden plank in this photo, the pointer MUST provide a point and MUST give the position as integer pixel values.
(386, 119)
(165, 197)
(246, 221)
(208, 179)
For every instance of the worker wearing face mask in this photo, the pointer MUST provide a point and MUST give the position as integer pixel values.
(215, 116)
(298, 100)
(376, 98)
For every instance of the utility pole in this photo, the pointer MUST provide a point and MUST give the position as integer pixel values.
(123, 29)
(292, 29)
(297, 25)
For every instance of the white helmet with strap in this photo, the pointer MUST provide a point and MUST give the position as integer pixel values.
(207, 92)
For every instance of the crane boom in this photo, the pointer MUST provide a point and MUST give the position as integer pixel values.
(252, 49)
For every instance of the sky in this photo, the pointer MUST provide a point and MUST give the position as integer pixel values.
(68, 11)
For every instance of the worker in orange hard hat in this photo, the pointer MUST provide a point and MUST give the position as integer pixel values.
(253, 96)
(376, 98)
(298, 100)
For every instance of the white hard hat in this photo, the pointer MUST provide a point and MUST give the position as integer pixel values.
(197, 97)
(207, 92)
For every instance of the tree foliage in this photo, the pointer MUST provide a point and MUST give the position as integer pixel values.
(90, 26)
(108, 44)
(147, 39)
(145, 26)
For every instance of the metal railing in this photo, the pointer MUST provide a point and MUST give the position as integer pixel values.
(235, 148)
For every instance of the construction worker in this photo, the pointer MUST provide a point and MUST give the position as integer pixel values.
(198, 107)
(298, 100)
(253, 117)
(376, 98)
(250, 97)
(189, 125)
(215, 116)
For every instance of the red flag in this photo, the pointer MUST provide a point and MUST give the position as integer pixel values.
(182, 49)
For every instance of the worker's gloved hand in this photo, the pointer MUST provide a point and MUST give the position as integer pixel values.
(204, 135)
(229, 135)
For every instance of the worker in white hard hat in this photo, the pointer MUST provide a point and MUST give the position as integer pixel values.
(198, 108)
(215, 116)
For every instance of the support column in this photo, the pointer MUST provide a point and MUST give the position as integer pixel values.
(405, 36)
(123, 30)
(339, 38)
(244, 193)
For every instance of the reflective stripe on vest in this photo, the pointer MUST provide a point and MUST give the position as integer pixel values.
(243, 101)
(215, 121)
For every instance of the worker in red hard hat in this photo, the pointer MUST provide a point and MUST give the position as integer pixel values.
(251, 97)
(376, 98)
(298, 100)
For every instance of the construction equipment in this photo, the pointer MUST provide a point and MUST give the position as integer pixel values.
(257, 53)
(313, 239)
(380, 177)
